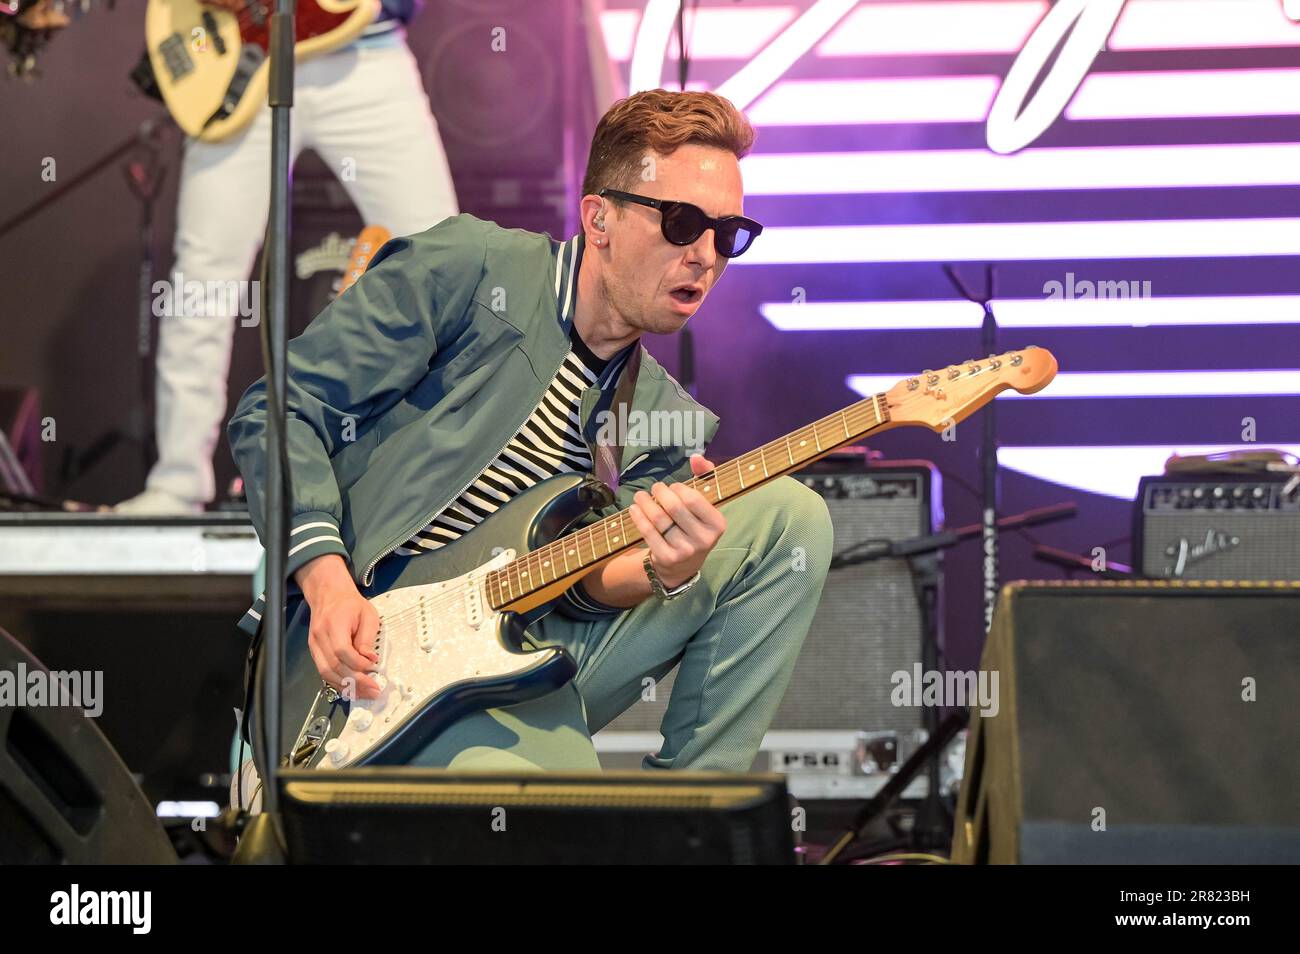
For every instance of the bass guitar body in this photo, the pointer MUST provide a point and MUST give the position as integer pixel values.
(211, 65)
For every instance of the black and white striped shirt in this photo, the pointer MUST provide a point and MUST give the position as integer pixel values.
(550, 442)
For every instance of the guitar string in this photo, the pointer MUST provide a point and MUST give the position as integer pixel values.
(244, 18)
(248, 20)
(857, 412)
(444, 601)
(858, 416)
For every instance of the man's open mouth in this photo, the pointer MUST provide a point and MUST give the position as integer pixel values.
(687, 294)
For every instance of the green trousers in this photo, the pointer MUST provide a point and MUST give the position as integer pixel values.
(735, 636)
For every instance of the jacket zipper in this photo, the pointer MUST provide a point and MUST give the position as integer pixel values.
(367, 575)
(634, 463)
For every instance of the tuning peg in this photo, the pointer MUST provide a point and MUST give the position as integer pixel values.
(1017, 360)
(931, 378)
(954, 373)
(994, 362)
(913, 384)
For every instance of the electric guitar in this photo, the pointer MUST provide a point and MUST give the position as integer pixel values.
(453, 621)
(211, 65)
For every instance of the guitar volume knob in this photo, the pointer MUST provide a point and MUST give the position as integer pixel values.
(337, 750)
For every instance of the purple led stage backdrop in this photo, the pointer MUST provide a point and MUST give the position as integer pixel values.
(1132, 171)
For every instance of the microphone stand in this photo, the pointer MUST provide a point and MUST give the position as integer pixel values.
(685, 344)
(146, 181)
(145, 171)
(988, 444)
(276, 291)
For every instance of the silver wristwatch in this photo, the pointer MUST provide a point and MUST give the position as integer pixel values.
(657, 585)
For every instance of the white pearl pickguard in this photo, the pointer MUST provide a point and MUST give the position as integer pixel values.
(430, 637)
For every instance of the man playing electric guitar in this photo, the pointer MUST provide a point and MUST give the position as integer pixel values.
(469, 363)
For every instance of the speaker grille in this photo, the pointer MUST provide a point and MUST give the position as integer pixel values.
(1257, 546)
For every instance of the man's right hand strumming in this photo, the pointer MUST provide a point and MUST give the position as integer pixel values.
(343, 626)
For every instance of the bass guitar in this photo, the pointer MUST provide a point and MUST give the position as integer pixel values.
(211, 65)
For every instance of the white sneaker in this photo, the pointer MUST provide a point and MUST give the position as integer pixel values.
(158, 503)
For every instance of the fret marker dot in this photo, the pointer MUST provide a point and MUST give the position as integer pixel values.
(616, 539)
(801, 443)
(751, 466)
(570, 551)
(546, 563)
(707, 488)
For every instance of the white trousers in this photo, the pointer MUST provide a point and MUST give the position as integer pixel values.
(364, 110)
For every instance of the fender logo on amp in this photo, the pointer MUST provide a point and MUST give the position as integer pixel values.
(1184, 552)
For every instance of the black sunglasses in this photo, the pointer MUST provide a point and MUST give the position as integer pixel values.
(683, 223)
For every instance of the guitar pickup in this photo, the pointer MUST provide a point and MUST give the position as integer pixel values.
(175, 57)
(250, 58)
(210, 25)
(474, 604)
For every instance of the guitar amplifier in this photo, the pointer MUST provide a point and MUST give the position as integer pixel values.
(867, 627)
(1218, 527)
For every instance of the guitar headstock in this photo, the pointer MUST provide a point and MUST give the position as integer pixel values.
(939, 399)
(371, 239)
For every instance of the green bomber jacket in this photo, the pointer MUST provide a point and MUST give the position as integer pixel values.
(404, 389)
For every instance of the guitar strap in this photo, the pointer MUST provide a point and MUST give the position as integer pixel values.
(609, 454)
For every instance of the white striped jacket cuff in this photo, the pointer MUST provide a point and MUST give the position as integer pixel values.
(314, 534)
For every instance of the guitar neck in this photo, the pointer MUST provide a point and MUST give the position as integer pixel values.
(515, 586)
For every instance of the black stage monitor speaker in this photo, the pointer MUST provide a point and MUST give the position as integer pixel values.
(65, 796)
(424, 816)
(1137, 722)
